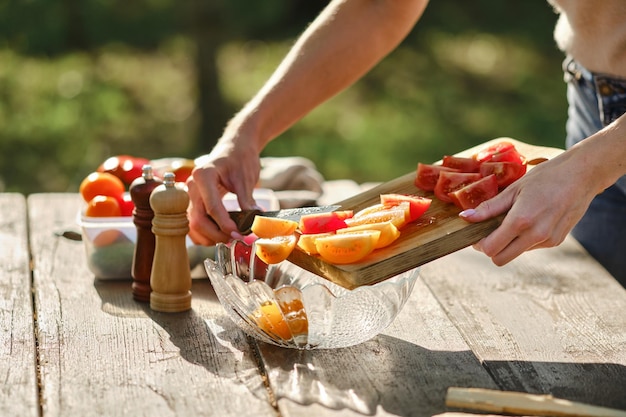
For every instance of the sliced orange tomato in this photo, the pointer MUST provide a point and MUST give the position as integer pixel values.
(324, 222)
(270, 319)
(396, 215)
(307, 242)
(269, 227)
(276, 249)
(417, 204)
(374, 208)
(388, 232)
(346, 248)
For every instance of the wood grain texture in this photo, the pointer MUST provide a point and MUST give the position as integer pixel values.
(18, 391)
(103, 354)
(521, 403)
(550, 322)
(439, 232)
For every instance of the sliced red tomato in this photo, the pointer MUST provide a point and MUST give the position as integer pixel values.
(449, 182)
(428, 174)
(506, 172)
(503, 151)
(461, 163)
(324, 222)
(418, 204)
(475, 193)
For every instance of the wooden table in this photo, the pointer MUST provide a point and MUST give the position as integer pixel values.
(551, 322)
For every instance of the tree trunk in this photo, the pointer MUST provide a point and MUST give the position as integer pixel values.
(207, 29)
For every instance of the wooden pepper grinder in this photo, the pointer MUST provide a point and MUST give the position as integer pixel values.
(140, 191)
(171, 276)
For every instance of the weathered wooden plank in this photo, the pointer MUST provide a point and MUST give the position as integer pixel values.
(550, 322)
(521, 403)
(18, 391)
(103, 354)
(405, 371)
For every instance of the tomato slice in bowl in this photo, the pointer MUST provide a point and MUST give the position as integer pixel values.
(417, 204)
(506, 172)
(452, 181)
(427, 175)
(475, 193)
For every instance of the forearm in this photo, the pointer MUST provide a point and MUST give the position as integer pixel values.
(602, 156)
(346, 40)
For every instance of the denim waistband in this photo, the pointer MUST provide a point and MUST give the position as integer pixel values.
(610, 90)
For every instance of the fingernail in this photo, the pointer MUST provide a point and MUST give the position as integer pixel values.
(467, 213)
(236, 235)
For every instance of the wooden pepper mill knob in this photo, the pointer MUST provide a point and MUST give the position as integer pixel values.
(171, 275)
(140, 191)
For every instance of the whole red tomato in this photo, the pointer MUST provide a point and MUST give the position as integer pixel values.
(125, 167)
(126, 204)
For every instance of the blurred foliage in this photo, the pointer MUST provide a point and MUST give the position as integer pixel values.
(94, 78)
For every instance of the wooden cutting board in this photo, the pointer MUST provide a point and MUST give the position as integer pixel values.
(439, 232)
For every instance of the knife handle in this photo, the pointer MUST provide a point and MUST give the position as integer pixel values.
(244, 219)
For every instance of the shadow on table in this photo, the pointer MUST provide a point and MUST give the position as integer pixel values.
(201, 334)
(405, 379)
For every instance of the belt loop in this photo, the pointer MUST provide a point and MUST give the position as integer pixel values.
(571, 70)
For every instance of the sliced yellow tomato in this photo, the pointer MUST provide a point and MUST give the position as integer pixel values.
(396, 215)
(388, 232)
(269, 227)
(346, 248)
(276, 249)
(306, 242)
(270, 319)
(369, 209)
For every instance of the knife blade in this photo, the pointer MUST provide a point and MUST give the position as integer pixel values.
(244, 218)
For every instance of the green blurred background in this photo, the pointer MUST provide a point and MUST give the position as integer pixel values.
(82, 80)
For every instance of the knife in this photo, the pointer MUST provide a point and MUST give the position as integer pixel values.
(244, 218)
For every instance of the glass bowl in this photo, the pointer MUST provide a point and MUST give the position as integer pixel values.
(288, 306)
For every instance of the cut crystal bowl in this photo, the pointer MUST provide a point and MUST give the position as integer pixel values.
(287, 306)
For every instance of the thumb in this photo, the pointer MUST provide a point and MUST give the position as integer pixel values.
(488, 209)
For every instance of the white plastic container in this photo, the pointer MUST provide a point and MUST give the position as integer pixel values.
(110, 241)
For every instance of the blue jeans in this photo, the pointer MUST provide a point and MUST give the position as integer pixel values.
(595, 100)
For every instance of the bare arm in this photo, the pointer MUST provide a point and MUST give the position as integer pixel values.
(547, 202)
(345, 41)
